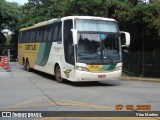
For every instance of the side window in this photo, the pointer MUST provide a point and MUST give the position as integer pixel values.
(60, 33)
(57, 32)
(34, 35)
(20, 37)
(40, 35)
(27, 37)
(38, 32)
(43, 34)
(24, 36)
(31, 36)
(50, 31)
(68, 42)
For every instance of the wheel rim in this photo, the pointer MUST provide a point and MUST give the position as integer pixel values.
(58, 74)
(24, 65)
(27, 66)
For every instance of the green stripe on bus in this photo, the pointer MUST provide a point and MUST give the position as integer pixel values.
(111, 67)
(108, 67)
(104, 68)
(40, 53)
(46, 54)
(53, 21)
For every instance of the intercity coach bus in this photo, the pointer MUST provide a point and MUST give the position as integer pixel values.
(75, 48)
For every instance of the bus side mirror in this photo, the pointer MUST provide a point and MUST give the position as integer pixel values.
(75, 35)
(125, 39)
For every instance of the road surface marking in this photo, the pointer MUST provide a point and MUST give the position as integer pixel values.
(23, 103)
(60, 102)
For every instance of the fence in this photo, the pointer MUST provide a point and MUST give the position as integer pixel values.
(145, 64)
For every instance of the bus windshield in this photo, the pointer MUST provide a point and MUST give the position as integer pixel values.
(98, 42)
(93, 48)
(96, 25)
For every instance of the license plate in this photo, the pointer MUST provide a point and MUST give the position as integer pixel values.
(101, 76)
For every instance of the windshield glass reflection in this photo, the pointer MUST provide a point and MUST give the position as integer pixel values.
(98, 48)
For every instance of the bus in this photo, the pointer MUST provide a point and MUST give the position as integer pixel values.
(74, 48)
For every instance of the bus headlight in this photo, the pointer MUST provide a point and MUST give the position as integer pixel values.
(118, 68)
(82, 68)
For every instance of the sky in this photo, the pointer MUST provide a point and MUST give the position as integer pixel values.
(21, 2)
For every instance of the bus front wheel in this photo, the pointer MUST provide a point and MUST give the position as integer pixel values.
(58, 74)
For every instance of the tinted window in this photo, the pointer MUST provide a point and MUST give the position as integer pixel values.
(46, 34)
(68, 42)
(96, 25)
(50, 31)
(57, 32)
(25, 36)
(20, 37)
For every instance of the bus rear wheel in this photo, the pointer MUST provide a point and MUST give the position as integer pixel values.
(58, 74)
(24, 64)
(28, 66)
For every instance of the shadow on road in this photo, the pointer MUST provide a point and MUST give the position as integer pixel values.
(79, 84)
(90, 84)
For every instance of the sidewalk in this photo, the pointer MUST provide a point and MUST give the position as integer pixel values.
(1, 69)
(140, 79)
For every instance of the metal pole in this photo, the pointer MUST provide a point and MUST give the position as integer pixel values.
(8, 55)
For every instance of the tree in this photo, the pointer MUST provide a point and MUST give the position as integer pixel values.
(84, 7)
(140, 19)
(2, 42)
(9, 16)
(40, 10)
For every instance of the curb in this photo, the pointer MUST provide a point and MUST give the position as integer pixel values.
(140, 79)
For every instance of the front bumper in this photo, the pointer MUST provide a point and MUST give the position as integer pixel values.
(95, 76)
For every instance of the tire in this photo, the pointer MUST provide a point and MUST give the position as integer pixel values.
(24, 64)
(28, 66)
(58, 74)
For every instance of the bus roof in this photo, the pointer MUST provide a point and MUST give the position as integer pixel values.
(65, 18)
(87, 17)
(41, 24)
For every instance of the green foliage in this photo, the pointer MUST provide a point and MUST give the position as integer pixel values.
(2, 38)
(14, 40)
(9, 15)
(84, 7)
(124, 11)
(141, 20)
(40, 10)
(9, 19)
(2, 42)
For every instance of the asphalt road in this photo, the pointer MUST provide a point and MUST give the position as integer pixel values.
(35, 91)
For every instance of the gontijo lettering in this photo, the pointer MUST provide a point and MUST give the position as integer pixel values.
(31, 47)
